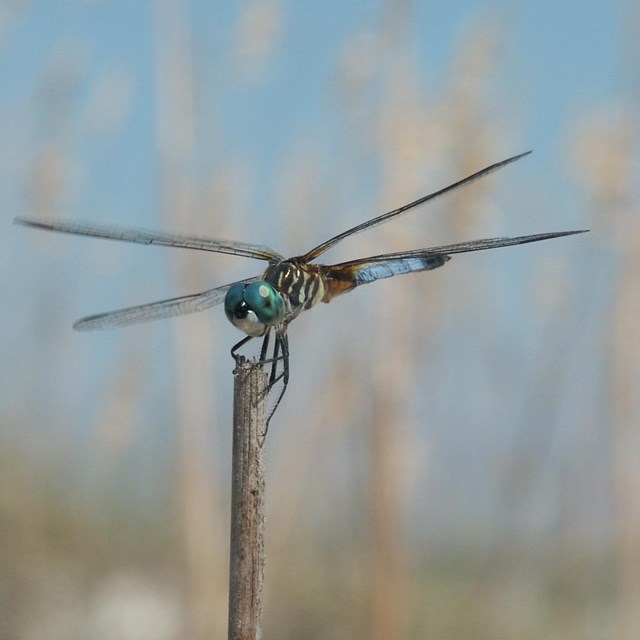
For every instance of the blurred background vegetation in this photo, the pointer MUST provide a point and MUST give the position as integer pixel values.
(458, 454)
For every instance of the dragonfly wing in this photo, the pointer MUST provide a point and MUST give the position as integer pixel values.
(347, 275)
(141, 236)
(477, 245)
(155, 310)
(316, 251)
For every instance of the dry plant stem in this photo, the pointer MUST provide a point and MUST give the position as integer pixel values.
(246, 569)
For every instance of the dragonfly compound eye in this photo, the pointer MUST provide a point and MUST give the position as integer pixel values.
(241, 310)
(265, 301)
(254, 307)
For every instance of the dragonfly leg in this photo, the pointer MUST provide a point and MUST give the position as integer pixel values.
(285, 353)
(263, 350)
(265, 347)
(237, 357)
(276, 356)
(274, 366)
(280, 353)
(282, 344)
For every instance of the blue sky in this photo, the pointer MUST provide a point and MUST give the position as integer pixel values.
(557, 56)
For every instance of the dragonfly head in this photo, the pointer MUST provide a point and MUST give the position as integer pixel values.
(254, 307)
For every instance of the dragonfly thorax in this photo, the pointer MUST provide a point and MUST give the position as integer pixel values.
(302, 285)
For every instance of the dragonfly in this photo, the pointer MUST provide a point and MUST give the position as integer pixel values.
(265, 305)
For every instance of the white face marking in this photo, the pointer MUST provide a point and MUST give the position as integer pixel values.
(250, 325)
(263, 291)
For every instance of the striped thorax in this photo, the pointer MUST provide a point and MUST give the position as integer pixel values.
(302, 285)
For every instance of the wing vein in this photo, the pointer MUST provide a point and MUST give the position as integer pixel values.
(155, 310)
(321, 248)
(141, 236)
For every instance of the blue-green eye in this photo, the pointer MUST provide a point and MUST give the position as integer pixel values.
(254, 307)
(265, 301)
(233, 298)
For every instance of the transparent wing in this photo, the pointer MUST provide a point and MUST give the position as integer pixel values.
(461, 247)
(155, 310)
(141, 236)
(321, 248)
(347, 275)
